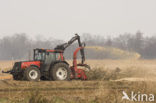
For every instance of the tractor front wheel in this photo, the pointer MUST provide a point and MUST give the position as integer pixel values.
(32, 74)
(60, 71)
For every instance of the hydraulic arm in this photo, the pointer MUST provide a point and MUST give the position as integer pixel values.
(63, 46)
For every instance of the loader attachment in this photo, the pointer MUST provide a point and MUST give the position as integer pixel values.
(78, 73)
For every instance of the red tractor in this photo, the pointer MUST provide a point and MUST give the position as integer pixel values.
(51, 65)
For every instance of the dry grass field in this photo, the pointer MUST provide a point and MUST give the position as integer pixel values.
(106, 81)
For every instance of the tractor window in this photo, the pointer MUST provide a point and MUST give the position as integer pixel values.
(39, 55)
(58, 56)
(50, 57)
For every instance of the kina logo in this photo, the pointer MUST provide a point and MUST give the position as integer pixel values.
(138, 97)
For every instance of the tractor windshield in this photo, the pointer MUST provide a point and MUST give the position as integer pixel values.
(42, 55)
(39, 55)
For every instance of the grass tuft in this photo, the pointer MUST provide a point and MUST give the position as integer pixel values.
(103, 74)
(35, 97)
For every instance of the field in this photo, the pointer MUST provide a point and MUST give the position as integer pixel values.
(106, 81)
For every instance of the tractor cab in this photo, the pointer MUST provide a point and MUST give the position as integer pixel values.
(45, 55)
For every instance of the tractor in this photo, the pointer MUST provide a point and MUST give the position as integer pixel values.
(50, 64)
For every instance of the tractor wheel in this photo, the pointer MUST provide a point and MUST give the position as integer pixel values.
(32, 74)
(60, 71)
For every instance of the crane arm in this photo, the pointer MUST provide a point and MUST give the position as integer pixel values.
(65, 45)
(62, 47)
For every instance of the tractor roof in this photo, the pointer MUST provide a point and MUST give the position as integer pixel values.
(48, 50)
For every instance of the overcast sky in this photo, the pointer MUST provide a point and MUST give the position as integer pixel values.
(62, 18)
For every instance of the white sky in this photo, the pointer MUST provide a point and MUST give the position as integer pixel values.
(63, 18)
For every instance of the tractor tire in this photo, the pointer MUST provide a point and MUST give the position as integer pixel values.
(32, 74)
(60, 72)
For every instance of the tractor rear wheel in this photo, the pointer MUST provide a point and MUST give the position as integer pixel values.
(60, 71)
(32, 74)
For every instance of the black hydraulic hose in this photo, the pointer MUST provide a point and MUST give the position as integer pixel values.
(82, 50)
(82, 55)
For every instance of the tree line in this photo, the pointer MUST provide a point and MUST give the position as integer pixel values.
(20, 46)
